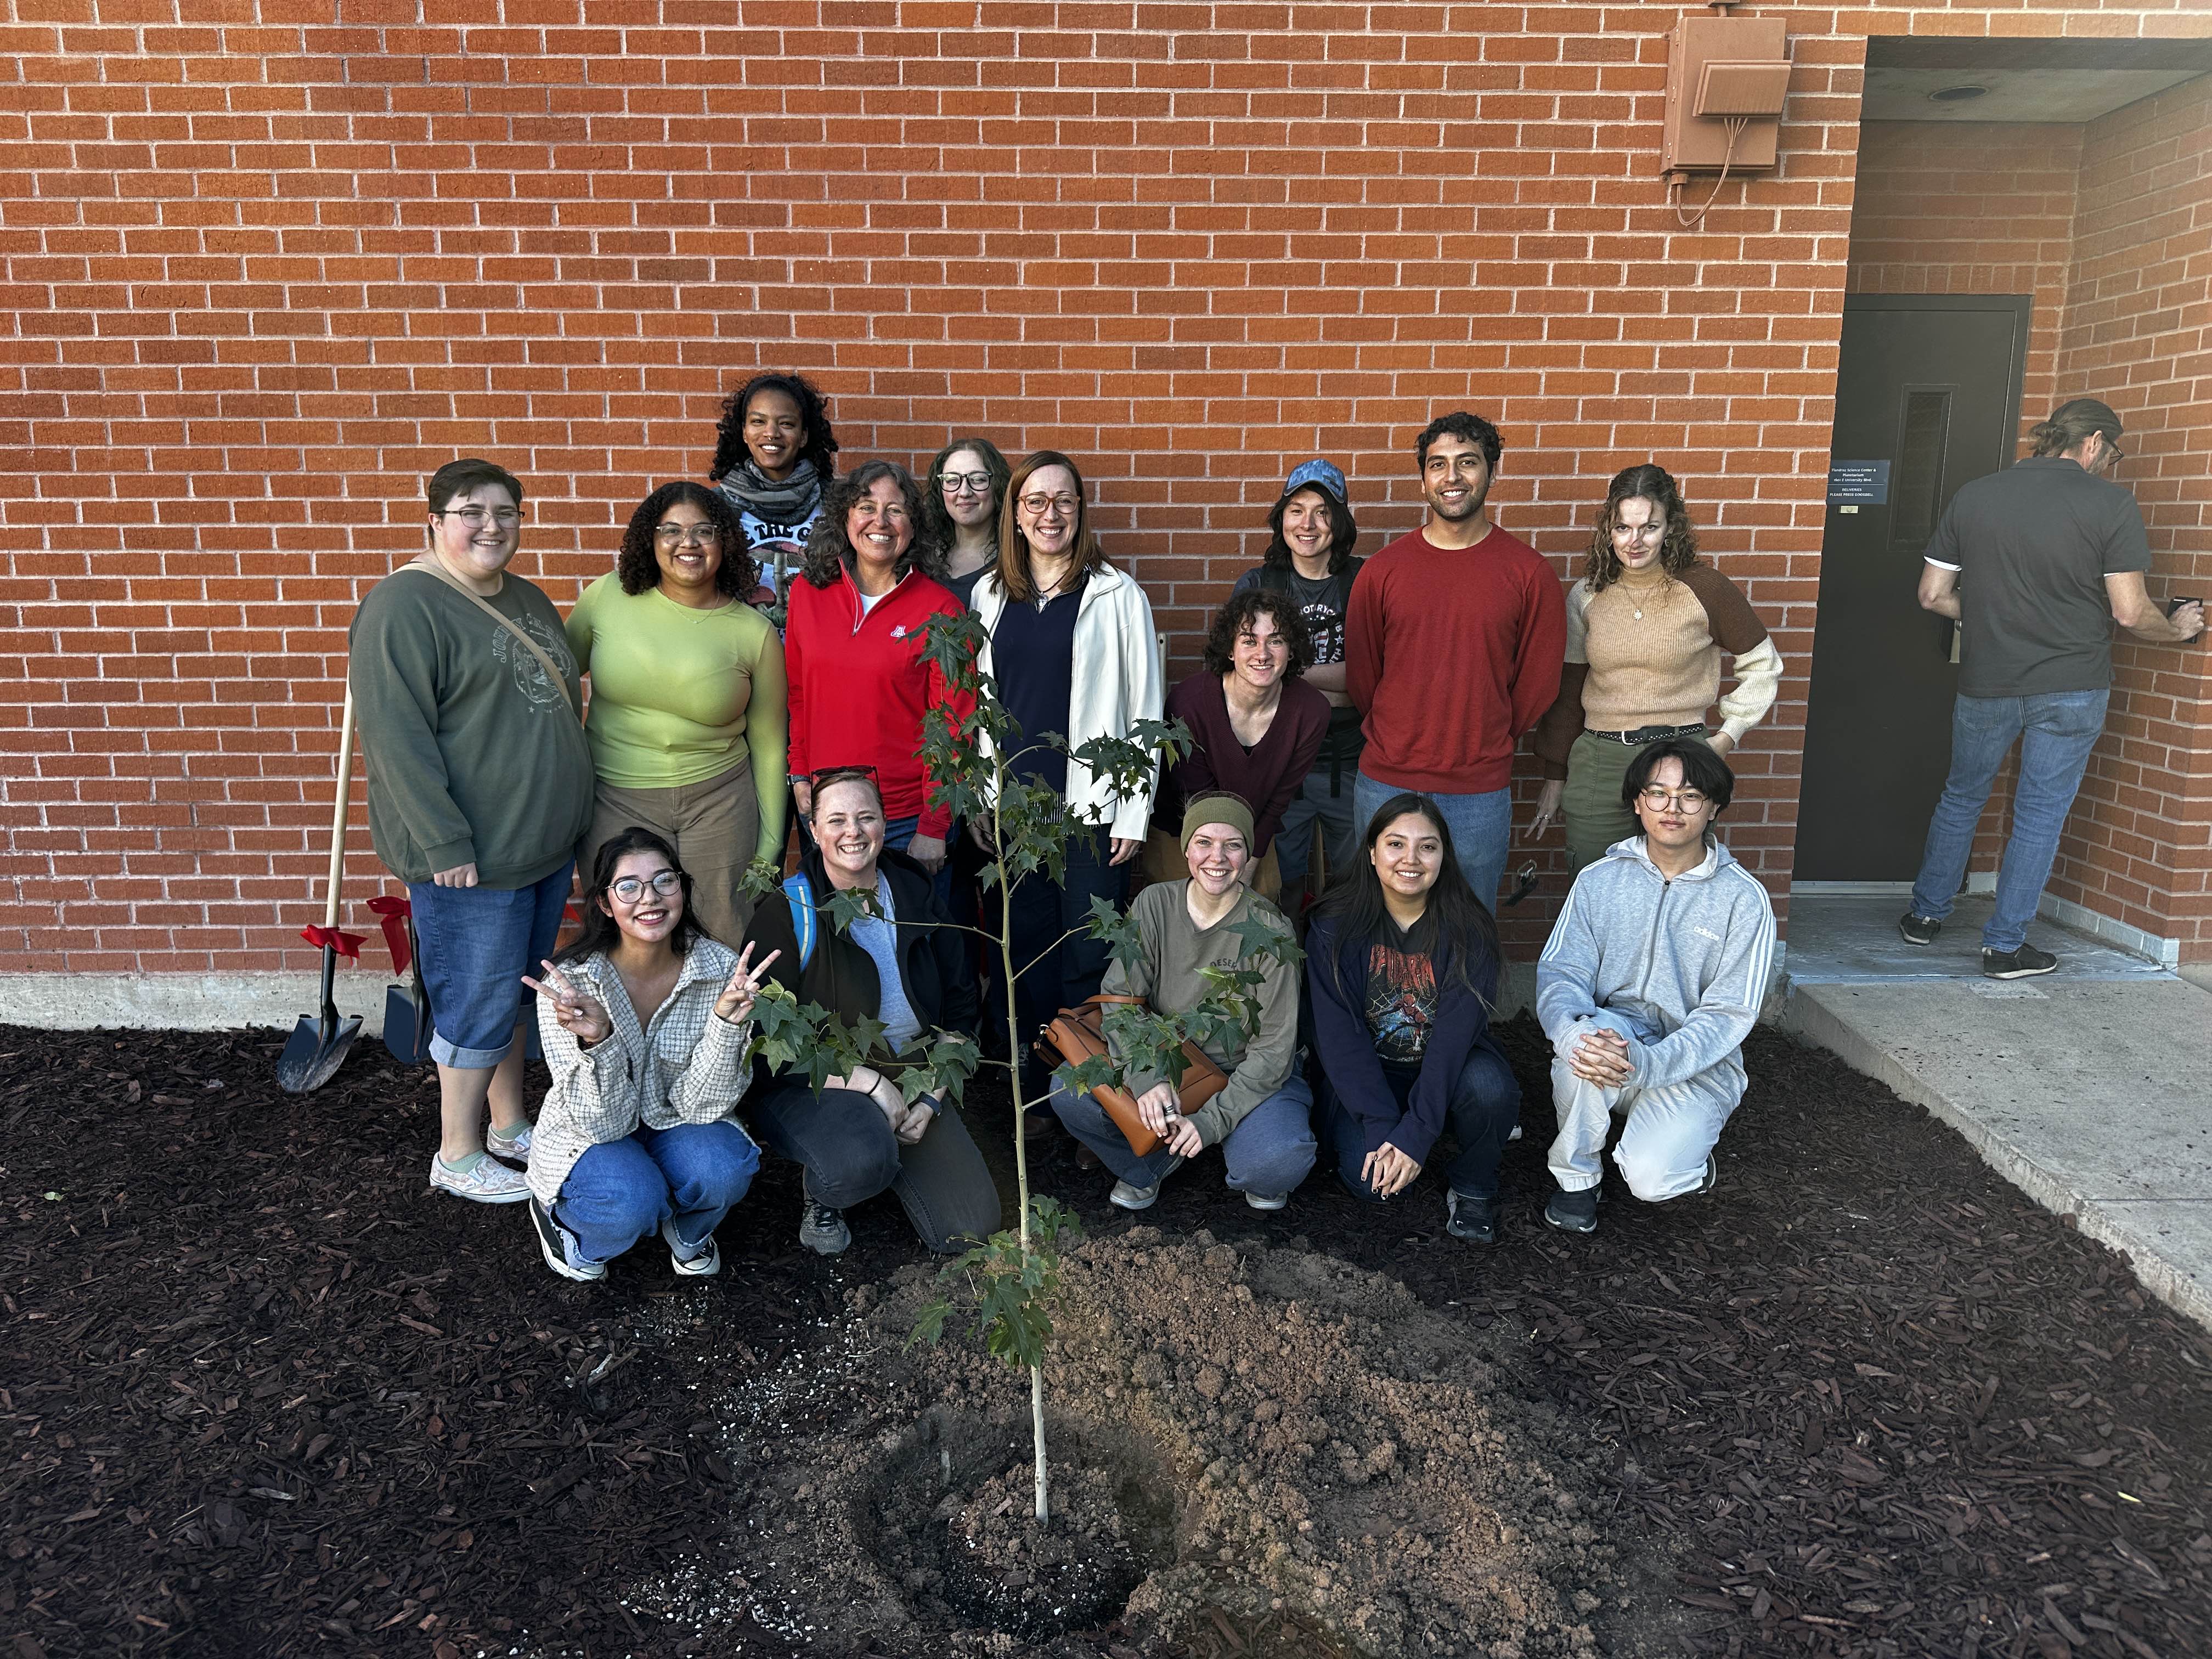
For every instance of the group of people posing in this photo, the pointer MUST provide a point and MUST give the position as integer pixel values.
(755, 665)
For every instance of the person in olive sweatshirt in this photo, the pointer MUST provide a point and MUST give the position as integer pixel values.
(1262, 1119)
(480, 786)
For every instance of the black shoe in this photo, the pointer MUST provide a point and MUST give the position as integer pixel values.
(1474, 1219)
(1918, 930)
(1574, 1212)
(2024, 963)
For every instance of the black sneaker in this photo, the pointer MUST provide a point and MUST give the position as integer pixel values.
(1474, 1219)
(558, 1246)
(2024, 963)
(823, 1230)
(1574, 1212)
(1918, 930)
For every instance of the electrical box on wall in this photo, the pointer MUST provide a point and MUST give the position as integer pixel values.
(1726, 80)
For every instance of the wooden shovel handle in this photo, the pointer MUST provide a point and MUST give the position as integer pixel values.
(338, 815)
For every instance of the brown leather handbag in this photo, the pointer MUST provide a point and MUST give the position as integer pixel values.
(1076, 1034)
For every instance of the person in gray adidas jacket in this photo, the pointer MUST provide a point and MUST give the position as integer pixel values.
(1652, 978)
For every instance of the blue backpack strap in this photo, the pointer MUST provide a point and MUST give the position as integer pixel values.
(801, 899)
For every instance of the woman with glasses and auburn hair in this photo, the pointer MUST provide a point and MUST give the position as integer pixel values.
(1309, 562)
(1402, 973)
(1072, 650)
(1646, 628)
(1255, 728)
(687, 717)
(645, 1023)
(775, 453)
(905, 966)
(479, 788)
(860, 687)
(967, 484)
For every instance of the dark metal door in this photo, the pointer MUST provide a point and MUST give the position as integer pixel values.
(1927, 398)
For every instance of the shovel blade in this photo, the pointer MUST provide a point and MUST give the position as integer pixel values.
(406, 1026)
(310, 1057)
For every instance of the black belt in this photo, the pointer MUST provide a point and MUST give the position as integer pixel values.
(1643, 734)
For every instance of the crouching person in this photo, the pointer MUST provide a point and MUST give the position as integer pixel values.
(1401, 970)
(645, 1023)
(907, 968)
(1261, 1120)
(1652, 979)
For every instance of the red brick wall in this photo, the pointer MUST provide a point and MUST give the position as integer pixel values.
(263, 275)
(2138, 333)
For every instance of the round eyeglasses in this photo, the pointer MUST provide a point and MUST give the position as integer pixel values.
(630, 889)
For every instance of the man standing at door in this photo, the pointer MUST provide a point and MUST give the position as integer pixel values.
(2035, 563)
(1453, 646)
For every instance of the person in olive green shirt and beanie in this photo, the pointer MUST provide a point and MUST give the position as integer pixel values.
(479, 788)
(688, 717)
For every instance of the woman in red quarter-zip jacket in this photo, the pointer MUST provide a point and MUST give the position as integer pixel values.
(859, 683)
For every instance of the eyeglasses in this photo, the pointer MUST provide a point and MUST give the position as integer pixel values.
(690, 535)
(1688, 801)
(1065, 506)
(964, 483)
(630, 889)
(475, 516)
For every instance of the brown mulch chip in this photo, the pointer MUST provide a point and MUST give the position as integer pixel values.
(263, 1393)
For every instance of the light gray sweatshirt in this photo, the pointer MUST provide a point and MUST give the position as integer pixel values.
(1684, 963)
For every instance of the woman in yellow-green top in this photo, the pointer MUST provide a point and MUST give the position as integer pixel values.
(688, 718)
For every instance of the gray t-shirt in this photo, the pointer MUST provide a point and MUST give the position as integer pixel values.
(879, 939)
(2033, 545)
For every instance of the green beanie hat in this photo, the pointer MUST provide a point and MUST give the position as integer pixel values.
(1219, 807)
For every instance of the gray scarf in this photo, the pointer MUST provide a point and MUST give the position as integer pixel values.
(787, 502)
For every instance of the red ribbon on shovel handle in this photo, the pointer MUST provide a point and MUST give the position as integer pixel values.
(395, 912)
(346, 944)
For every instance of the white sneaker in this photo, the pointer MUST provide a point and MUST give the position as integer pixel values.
(1266, 1201)
(692, 1261)
(516, 1145)
(1126, 1197)
(489, 1183)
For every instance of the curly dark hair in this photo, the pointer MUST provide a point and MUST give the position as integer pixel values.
(601, 931)
(1234, 618)
(637, 568)
(820, 445)
(1343, 531)
(828, 547)
(1646, 483)
(1468, 429)
(940, 521)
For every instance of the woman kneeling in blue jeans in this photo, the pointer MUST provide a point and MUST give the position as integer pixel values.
(645, 1023)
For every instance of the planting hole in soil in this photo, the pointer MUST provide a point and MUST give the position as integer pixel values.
(954, 1523)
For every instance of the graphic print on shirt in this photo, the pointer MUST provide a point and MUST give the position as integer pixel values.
(529, 674)
(1401, 1003)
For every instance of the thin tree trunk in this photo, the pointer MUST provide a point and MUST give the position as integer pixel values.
(1021, 1139)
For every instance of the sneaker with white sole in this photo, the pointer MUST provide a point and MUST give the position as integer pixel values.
(1125, 1196)
(1474, 1219)
(701, 1261)
(823, 1230)
(1916, 929)
(1266, 1201)
(2024, 963)
(1573, 1212)
(558, 1246)
(486, 1182)
(515, 1146)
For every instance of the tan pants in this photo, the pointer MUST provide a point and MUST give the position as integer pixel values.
(715, 827)
(1163, 860)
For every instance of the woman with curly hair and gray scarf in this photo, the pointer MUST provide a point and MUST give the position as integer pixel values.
(860, 687)
(687, 714)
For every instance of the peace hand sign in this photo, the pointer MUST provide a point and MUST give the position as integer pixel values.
(580, 1012)
(735, 1004)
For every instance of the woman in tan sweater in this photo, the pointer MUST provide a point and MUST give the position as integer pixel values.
(1647, 626)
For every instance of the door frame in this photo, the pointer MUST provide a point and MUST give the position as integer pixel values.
(2023, 307)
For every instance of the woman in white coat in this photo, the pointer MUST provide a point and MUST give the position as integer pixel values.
(1072, 650)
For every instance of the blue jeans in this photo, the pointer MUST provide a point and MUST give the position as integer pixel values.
(1324, 798)
(1485, 1105)
(476, 944)
(621, 1191)
(1268, 1152)
(2057, 730)
(1481, 830)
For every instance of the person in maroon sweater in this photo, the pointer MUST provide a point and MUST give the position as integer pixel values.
(1255, 727)
(1452, 646)
(852, 651)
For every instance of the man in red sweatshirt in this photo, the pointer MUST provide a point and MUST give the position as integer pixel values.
(1452, 645)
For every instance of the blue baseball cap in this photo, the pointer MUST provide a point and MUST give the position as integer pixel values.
(1316, 471)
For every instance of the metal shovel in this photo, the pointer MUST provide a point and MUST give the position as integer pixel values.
(318, 1045)
(407, 1009)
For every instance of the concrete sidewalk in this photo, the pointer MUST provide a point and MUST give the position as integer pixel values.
(2094, 1097)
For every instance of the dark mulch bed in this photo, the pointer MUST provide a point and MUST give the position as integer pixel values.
(263, 1394)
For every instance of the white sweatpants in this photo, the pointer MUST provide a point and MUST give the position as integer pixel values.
(1670, 1131)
